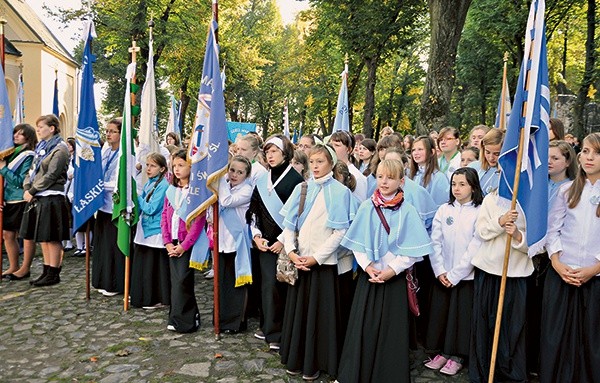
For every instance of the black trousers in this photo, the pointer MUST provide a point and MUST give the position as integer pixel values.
(184, 314)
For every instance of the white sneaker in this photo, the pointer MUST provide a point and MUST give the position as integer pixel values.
(171, 327)
(156, 306)
(109, 293)
(210, 274)
(101, 291)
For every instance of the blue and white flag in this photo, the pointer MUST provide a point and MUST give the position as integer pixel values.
(208, 149)
(286, 120)
(88, 179)
(342, 120)
(531, 114)
(506, 99)
(55, 110)
(20, 102)
(6, 122)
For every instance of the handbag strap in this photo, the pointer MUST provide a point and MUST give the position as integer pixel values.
(384, 222)
(303, 191)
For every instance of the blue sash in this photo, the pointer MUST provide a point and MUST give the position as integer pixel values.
(270, 199)
(181, 211)
(489, 179)
(407, 237)
(241, 232)
(200, 252)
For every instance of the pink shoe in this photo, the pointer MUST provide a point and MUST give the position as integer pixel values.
(451, 367)
(436, 363)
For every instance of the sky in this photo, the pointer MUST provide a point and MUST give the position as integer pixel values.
(71, 35)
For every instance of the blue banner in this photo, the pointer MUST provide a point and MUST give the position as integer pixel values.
(208, 150)
(88, 179)
(531, 111)
(237, 129)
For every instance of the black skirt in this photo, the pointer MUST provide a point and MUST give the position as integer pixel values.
(232, 299)
(272, 296)
(311, 338)
(570, 334)
(535, 288)
(449, 329)
(46, 219)
(12, 215)
(184, 314)
(376, 343)
(511, 356)
(108, 262)
(150, 278)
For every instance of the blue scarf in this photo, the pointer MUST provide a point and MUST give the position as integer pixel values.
(341, 205)
(270, 199)
(407, 237)
(241, 232)
(42, 150)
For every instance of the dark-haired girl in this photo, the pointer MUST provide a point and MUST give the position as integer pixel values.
(271, 192)
(150, 283)
(454, 243)
(343, 143)
(570, 339)
(14, 170)
(184, 316)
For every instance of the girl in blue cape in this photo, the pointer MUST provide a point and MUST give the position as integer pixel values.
(312, 333)
(376, 344)
(426, 172)
(235, 273)
(150, 281)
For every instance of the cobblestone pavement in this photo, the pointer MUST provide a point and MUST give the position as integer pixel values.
(54, 334)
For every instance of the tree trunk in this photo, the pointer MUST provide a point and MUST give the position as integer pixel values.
(369, 110)
(588, 74)
(447, 18)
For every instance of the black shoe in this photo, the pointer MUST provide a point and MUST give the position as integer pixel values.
(12, 277)
(44, 272)
(230, 332)
(52, 278)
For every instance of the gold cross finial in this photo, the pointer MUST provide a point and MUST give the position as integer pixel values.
(133, 50)
(505, 56)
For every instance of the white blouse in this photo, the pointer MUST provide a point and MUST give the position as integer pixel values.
(575, 232)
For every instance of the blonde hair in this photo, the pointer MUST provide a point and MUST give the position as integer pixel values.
(391, 168)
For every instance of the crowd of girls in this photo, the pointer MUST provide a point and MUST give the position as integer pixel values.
(358, 219)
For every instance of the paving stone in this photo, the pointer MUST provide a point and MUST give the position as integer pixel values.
(201, 370)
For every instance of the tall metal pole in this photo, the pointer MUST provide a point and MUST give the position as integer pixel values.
(2, 53)
(216, 295)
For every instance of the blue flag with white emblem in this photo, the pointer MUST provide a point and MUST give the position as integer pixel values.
(208, 151)
(342, 120)
(530, 113)
(88, 179)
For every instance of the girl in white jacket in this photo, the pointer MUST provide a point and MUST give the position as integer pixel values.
(454, 243)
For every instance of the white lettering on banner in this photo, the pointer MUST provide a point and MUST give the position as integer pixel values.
(194, 191)
(201, 175)
(89, 196)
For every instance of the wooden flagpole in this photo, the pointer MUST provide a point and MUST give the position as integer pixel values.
(2, 53)
(133, 50)
(216, 295)
(513, 205)
(502, 121)
(87, 260)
